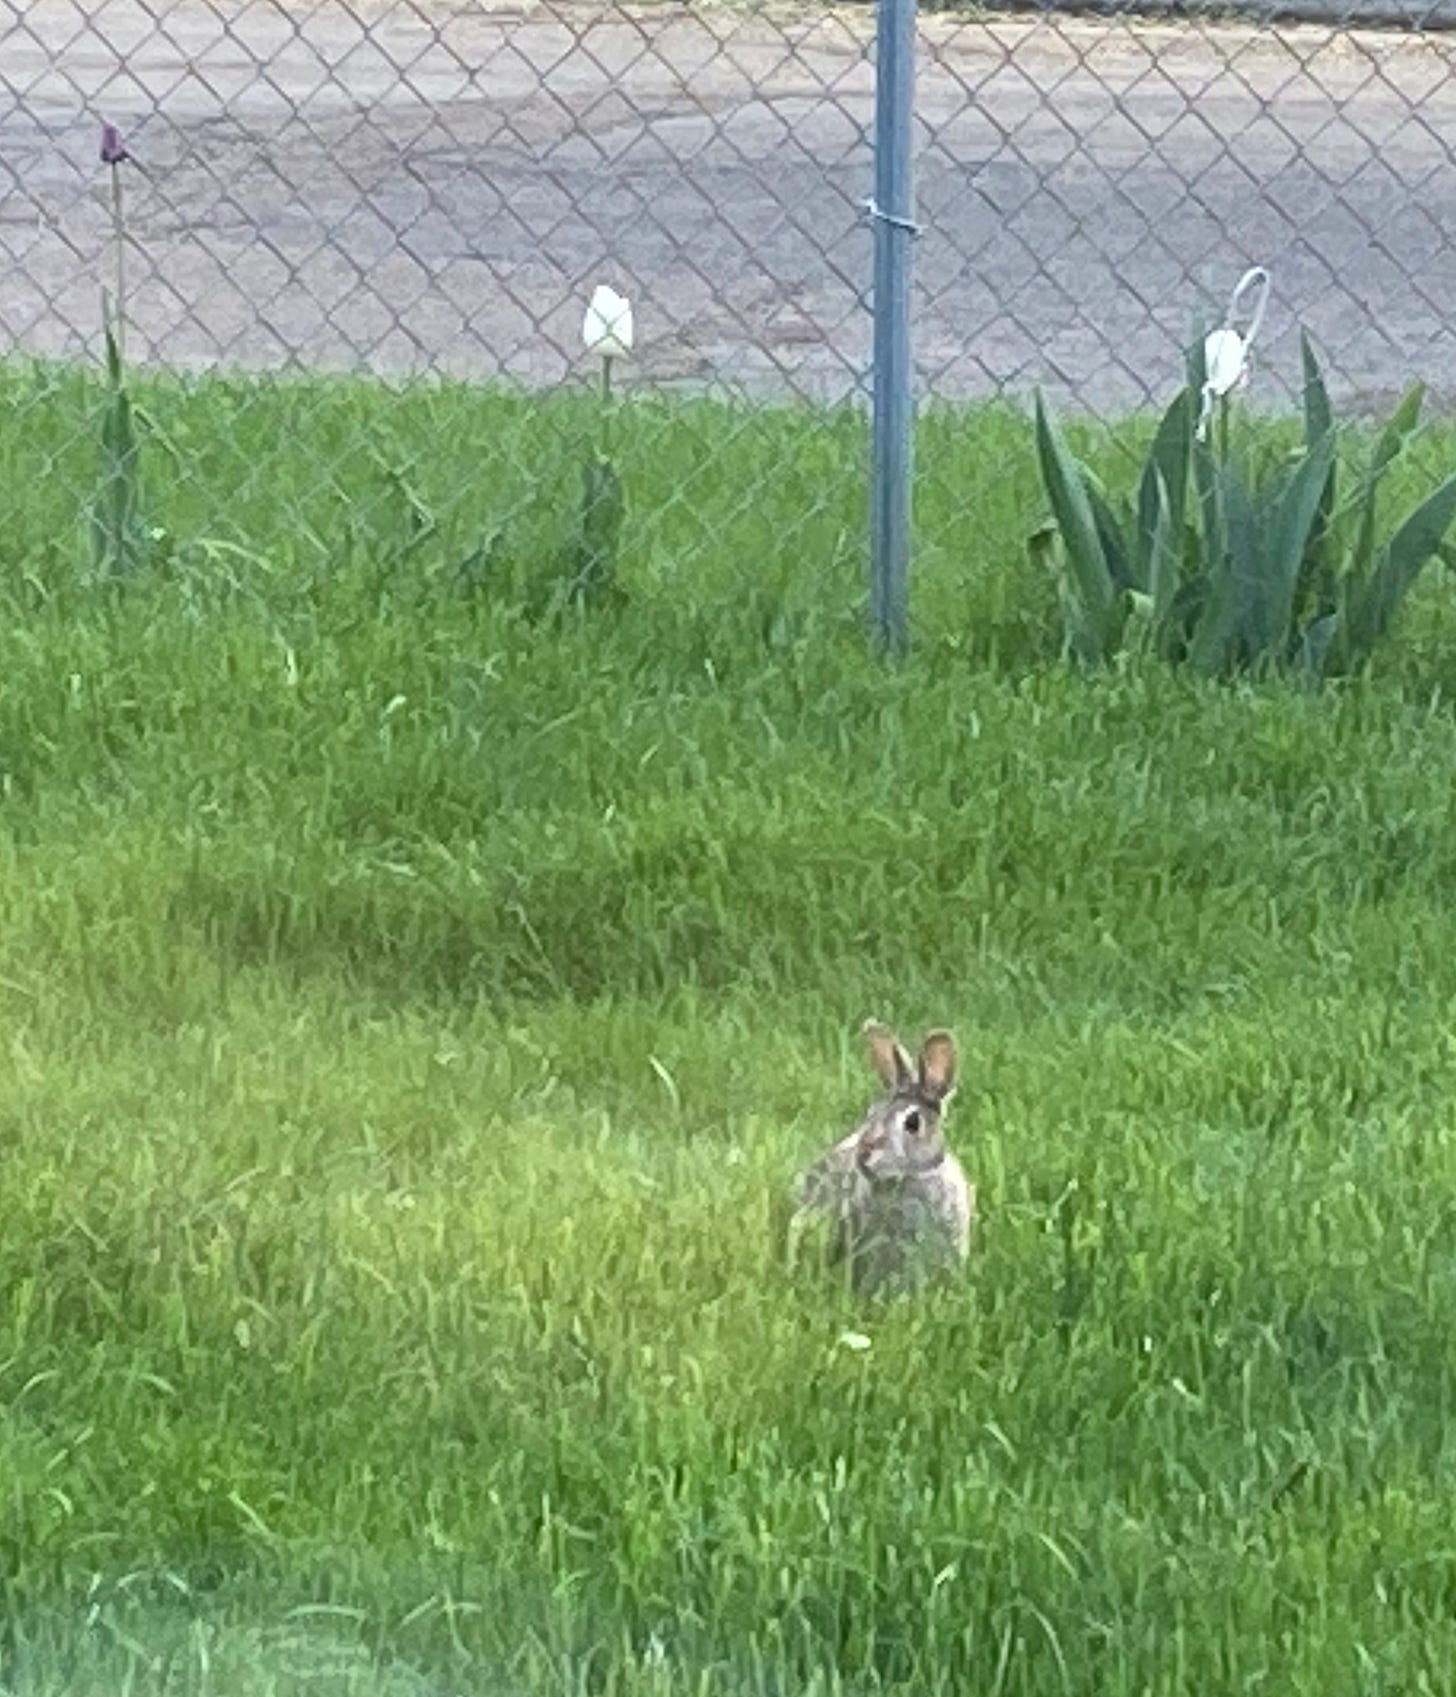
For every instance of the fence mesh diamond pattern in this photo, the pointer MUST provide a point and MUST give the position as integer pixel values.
(435, 188)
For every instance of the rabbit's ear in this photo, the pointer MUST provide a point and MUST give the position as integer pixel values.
(938, 1065)
(887, 1056)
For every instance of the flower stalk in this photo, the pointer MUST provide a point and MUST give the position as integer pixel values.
(114, 155)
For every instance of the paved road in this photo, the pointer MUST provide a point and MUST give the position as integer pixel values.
(412, 186)
(1382, 14)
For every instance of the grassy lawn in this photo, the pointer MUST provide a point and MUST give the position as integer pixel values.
(413, 1010)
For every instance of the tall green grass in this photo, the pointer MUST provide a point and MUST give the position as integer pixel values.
(414, 1008)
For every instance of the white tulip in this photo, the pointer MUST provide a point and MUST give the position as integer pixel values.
(607, 328)
(1225, 361)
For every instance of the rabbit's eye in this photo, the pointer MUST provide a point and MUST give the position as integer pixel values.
(911, 1122)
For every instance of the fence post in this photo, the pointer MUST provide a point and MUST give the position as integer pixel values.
(893, 218)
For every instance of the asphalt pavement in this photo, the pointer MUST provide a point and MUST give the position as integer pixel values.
(409, 187)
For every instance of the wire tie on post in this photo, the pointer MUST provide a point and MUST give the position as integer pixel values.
(873, 211)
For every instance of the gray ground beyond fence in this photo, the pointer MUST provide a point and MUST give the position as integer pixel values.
(1369, 14)
(418, 186)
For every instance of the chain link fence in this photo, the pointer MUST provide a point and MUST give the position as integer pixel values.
(432, 188)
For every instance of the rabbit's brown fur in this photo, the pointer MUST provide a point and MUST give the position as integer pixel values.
(898, 1200)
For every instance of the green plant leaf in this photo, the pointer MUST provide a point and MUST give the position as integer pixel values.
(1113, 533)
(1372, 605)
(118, 540)
(1316, 583)
(1195, 367)
(1166, 467)
(1246, 570)
(1388, 447)
(1162, 557)
(1041, 545)
(1231, 536)
(1314, 643)
(114, 372)
(1212, 563)
(1294, 522)
(1184, 612)
(1319, 418)
(1090, 599)
(603, 511)
(1163, 503)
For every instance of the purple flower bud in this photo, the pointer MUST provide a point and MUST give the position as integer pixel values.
(113, 148)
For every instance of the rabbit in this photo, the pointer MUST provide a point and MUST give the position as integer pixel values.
(898, 1202)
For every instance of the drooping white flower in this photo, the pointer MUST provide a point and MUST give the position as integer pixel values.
(1226, 350)
(1225, 361)
(607, 328)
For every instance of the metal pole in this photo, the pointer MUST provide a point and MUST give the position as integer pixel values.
(893, 216)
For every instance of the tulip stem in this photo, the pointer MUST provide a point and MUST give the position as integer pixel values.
(606, 403)
(118, 226)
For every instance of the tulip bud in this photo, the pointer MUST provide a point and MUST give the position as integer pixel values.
(607, 328)
(113, 148)
(1225, 361)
